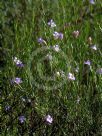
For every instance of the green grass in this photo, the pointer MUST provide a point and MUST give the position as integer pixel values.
(21, 24)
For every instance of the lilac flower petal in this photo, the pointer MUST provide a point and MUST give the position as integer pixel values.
(92, 2)
(41, 41)
(16, 80)
(21, 119)
(49, 119)
(18, 62)
(94, 47)
(20, 65)
(87, 62)
(71, 76)
(56, 35)
(60, 36)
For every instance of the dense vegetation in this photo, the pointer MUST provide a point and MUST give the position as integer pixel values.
(51, 67)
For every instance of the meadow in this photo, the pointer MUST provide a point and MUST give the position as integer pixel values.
(50, 68)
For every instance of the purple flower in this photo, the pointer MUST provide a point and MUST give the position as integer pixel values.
(94, 47)
(16, 80)
(18, 62)
(49, 119)
(41, 41)
(51, 23)
(56, 48)
(92, 2)
(71, 76)
(87, 62)
(99, 71)
(7, 108)
(21, 119)
(58, 35)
